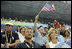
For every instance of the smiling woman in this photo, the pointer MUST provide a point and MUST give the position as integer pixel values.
(53, 38)
(52, 34)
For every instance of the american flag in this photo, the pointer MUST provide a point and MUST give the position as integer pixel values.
(48, 7)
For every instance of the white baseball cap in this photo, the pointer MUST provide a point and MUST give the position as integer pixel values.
(9, 24)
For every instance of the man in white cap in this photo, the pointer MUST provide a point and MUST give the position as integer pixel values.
(9, 39)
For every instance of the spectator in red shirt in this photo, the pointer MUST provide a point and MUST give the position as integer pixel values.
(16, 19)
(58, 26)
(62, 25)
(56, 23)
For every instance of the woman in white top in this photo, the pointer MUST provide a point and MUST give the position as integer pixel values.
(21, 35)
(53, 38)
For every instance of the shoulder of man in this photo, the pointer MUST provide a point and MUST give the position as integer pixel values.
(20, 45)
(14, 32)
(36, 45)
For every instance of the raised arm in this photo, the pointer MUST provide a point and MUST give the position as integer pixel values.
(35, 25)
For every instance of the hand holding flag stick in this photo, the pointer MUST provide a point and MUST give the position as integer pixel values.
(41, 10)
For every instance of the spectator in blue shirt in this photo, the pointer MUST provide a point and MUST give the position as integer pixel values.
(60, 37)
(39, 35)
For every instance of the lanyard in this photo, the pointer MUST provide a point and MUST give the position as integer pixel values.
(28, 45)
(7, 37)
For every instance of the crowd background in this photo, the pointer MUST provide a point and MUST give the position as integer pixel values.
(47, 30)
(64, 30)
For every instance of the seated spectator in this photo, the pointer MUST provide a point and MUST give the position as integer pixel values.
(31, 21)
(53, 38)
(69, 31)
(55, 23)
(21, 20)
(2, 18)
(39, 35)
(67, 36)
(2, 30)
(26, 21)
(9, 19)
(28, 43)
(58, 26)
(18, 29)
(9, 39)
(46, 30)
(60, 37)
(62, 25)
(16, 19)
(62, 32)
(49, 26)
(69, 42)
(21, 35)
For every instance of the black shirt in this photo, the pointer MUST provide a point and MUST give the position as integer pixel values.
(62, 33)
(23, 45)
(14, 37)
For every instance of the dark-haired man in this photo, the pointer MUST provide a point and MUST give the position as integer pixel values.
(39, 35)
(9, 39)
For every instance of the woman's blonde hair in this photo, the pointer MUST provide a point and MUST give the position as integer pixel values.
(50, 32)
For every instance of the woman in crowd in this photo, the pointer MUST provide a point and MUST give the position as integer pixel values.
(21, 34)
(53, 38)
